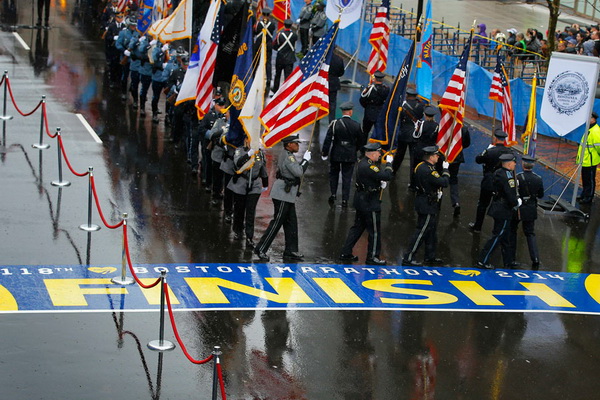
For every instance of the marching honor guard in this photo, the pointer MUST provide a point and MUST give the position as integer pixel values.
(372, 99)
(371, 177)
(344, 138)
(284, 193)
(304, 18)
(266, 23)
(504, 206)
(428, 185)
(285, 44)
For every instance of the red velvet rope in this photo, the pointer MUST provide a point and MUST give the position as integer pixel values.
(2, 80)
(46, 121)
(221, 382)
(176, 333)
(12, 98)
(100, 208)
(126, 243)
(64, 153)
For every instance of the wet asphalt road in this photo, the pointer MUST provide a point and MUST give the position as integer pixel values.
(267, 354)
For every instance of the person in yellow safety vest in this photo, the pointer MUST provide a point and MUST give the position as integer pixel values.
(591, 159)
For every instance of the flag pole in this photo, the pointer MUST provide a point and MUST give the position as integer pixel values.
(360, 34)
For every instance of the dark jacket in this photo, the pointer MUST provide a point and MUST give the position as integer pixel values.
(531, 188)
(372, 99)
(412, 111)
(369, 175)
(344, 137)
(336, 71)
(428, 182)
(504, 204)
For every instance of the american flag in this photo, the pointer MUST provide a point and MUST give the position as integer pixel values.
(260, 4)
(452, 104)
(281, 11)
(304, 96)
(379, 39)
(500, 91)
(204, 87)
(122, 4)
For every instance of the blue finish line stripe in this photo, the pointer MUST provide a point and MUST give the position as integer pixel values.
(76, 288)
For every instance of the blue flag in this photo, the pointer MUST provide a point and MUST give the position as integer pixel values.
(146, 16)
(240, 82)
(424, 61)
(389, 116)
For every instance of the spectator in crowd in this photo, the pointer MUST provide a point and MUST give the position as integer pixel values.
(512, 36)
(588, 45)
(482, 36)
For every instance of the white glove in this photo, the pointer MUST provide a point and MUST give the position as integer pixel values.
(127, 53)
(265, 188)
(307, 156)
(115, 38)
(165, 65)
(251, 152)
(445, 164)
(324, 158)
(490, 146)
(141, 38)
(165, 47)
(439, 195)
(389, 158)
(383, 184)
(519, 202)
(153, 42)
(298, 21)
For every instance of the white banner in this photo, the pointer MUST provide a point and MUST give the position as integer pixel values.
(347, 11)
(569, 93)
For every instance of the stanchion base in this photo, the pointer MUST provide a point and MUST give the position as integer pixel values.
(40, 146)
(60, 183)
(6, 117)
(126, 281)
(89, 228)
(3, 149)
(163, 345)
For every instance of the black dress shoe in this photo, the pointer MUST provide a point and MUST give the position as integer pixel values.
(331, 200)
(586, 200)
(261, 256)
(411, 263)
(250, 243)
(433, 261)
(344, 203)
(535, 265)
(473, 228)
(375, 261)
(348, 257)
(456, 210)
(484, 266)
(514, 265)
(293, 255)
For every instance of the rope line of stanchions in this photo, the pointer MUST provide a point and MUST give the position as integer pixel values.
(44, 113)
(176, 333)
(64, 153)
(12, 98)
(95, 193)
(2, 80)
(130, 265)
(221, 382)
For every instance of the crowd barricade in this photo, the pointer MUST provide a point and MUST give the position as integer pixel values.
(218, 384)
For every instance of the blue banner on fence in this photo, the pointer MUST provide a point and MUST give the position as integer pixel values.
(304, 286)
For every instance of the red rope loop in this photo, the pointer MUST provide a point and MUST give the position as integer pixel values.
(130, 265)
(176, 333)
(221, 382)
(100, 208)
(2, 80)
(64, 153)
(12, 98)
(45, 114)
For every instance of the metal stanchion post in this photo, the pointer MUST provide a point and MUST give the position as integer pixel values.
(161, 344)
(41, 145)
(59, 182)
(4, 117)
(216, 353)
(90, 227)
(123, 279)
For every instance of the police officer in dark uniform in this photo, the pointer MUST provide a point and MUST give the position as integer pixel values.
(204, 133)
(531, 188)
(269, 26)
(504, 206)
(372, 99)
(371, 177)
(306, 14)
(427, 132)
(336, 71)
(454, 169)
(285, 44)
(344, 138)
(284, 194)
(490, 158)
(428, 184)
(410, 116)
(112, 53)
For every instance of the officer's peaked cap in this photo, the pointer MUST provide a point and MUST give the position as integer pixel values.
(507, 157)
(411, 91)
(379, 75)
(288, 22)
(347, 106)
(430, 111)
(220, 101)
(594, 115)
(372, 146)
(529, 159)
(500, 134)
(267, 10)
(430, 150)
(291, 139)
(131, 21)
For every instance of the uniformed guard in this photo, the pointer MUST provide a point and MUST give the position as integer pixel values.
(505, 204)
(371, 177)
(306, 14)
(142, 50)
(126, 36)
(531, 188)
(428, 185)
(159, 63)
(372, 99)
(112, 53)
(410, 121)
(285, 44)
(344, 138)
(284, 193)
(266, 23)
(249, 181)
(204, 130)
(490, 159)
(318, 22)
(336, 71)
(455, 168)
(217, 151)
(427, 132)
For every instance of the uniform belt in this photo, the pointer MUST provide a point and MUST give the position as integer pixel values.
(345, 143)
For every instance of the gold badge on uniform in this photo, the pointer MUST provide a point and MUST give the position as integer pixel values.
(435, 173)
(511, 183)
(374, 168)
(292, 159)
